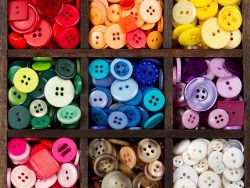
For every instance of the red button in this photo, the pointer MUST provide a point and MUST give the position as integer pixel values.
(56, 30)
(17, 41)
(136, 38)
(37, 148)
(127, 4)
(28, 25)
(69, 16)
(69, 38)
(40, 36)
(49, 8)
(128, 23)
(17, 10)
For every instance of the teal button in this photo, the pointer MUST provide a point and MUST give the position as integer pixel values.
(12, 71)
(28, 101)
(70, 126)
(153, 121)
(42, 59)
(78, 84)
(39, 91)
(20, 63)
(65, 68)
(16, 97)
(40, 123)
(69, 114)
(153, 99)
(19, 117)
(48, 74)
(99, 69)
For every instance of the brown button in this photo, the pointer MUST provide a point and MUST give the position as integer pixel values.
(98, 147)
(154, 171)
(126, 170)
(104, 164)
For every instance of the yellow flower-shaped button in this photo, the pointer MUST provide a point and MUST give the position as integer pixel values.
(207, 11)
(227, 2)
(230, 18)
(154, 40)
(190, 37)
(179, 29)
(213, 35)
(26, 80)
(201, 3)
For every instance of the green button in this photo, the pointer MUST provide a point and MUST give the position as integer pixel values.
(40, 123)
(39, 91)
(48, 74)
(78, 84)
(20, 63)
(78, 66)
(44, 59)
(53, 117)
(65, 68)
(41, 66)
(16, 97)
(69, 114)
(12, 71)
(70, 126)
(19, 117)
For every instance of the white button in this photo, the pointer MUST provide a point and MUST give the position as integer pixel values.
(233, 144)
(233, 158)
(67, 175)
(227, 182)
(184, 183)
(47, 182)
(188, 159)
(218, 168)
(59, 92)
(235, 39)
(184, 12)
(217, 144)
(181, 146)
(209, 179)
(197, 149)
(201, 166)
(234, 174)
(185, 172)
(77, 159)
(215, 157)
(178, 161)
(98, 99)
(38, 108)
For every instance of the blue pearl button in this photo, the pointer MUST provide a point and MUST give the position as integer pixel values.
(153, 99)
(121, 68)
(98, 116)
(117, 120)
(133, 114)
(99, 69)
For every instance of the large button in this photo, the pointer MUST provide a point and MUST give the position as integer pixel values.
(16, 97)
(133, 114)
(233, 158)
(190, 119)
(68, 17)
(218, 119)
(200, 94)
(99, 69)
(69, 114)
(116, 179)
(104, 164)
(197, 150)
(117, 120)
(17, 10)
(40, 183)
(185, 172)
(49, 8)
(98, 147)
(26, 80)
(59, 92)
(121, 68)
(99, 116)
(114, 36)
(209, 178)
(153, 121)
(151, 10)
(38, 108)
(234, 174)
(19, 117)
(22, 176)
(184, 12)
(67, 175)
(65, 68)
(229, 87)
(127, 156)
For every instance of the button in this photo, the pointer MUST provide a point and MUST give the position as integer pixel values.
(185, 172)
(126, 170)
(136, 100)
(217, 144)
(184, 12)
(16, 97)
(17, 10)
(124, 90)
(105, 82)
(99, 69)
(8, 177)
(41, 66)
(133, 115)
(148, 150)
(69, 114)
(178, 161)
(127, 156)
(233, 158)
(116, 179)
(117, 120)
(97, 13)
(99, 116)
(19, 117)
(107, 93)
(135, 11)
(98, 99)
(97, 40)
(230, 18)
(121, 68)
(188, 159)
(233, 66)
(235, 39)
(209, 178)
(153, 100)
(26, 80)
(17, 41)
(49, 8)
(213, 35)
(232, 143)
(200, 94)
(197, 150)
(196, 66)
(22, 176)
(38, 108)
(114, 13)
(17, 146)
(64, 150)
(65, 68)
(98, 147)
(114, 36)
(127, 4)
(217, 66)
(69, 38)
(227, 183)
(68, 17)
(218, 119)
(119, 142)
(234, 174)
(154, 40)
(214, 158)
(40, 183)
(228, 2)
(153, 121)
(59, 92)
(229, 87)
(179, 29)
(136, 38)
(151, 11)
(143, 181)
(209, 74)
(181, 146)
(203, 3)
(155, 171)
(128, 23)
(183, 183)
(201, 166)
(190, 119)
(104, 164)
(40, 123)
(208, 11)
(178, 95)
(21, 158)
(67, 175)
(190, 37)
(39, 91)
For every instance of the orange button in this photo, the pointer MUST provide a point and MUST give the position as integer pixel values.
(160, 25)
(114, 13)
(151, 10)
(128, 23)
(104, 2)
(114, 37)
(147, 26)
(97, 13)
(134, 11)
(154, 40)
(97, 40)
(127, 156)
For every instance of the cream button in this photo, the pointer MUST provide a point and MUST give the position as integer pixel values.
(185, 172)
(209, 179)
(235, 39)
(151, 10)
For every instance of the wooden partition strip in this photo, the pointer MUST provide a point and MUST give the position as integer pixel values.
(168, 163)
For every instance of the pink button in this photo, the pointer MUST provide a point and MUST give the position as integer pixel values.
(229, 87)
(67, 175)
(23, 177)
(190, 119)
(136, 38)
(69, 38)
(217, 66)
(218, 119)
(40, 36)
(26, 26)
(17, 10)
(64, 150)
(46, 183)
(22, 158)
(77, 159)
(9, 178)
(178, 70)
(17, 146)
(235, 110)
(174, 75)
(69, 16)
(209, 74)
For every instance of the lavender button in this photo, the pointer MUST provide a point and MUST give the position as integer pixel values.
(232, 128)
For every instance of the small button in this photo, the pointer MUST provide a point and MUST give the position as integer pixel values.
(126, 170)
(38, 108)
(188, 160)
(229, 87)
(114, 13)
(178, 161)
(136, 100)
(99, 69)
(41, 66)
(154, 40)
(214, 158)
(69, 114)
(22, 176)
(127, 156)
(104, 164)
(98, 147)
(151, 11)
(228, 2)
(136, 38)
(209, 178)
(121, 68)
(153, 100)
(179, 93)
(69, 38)
(233, 66)
(65, 68)
(17, 146)
(183, 183)
(181, 146)
(97, 13)
(201, 166)
(98, 99)
(114, 36)
(19, 117)
(41, 122)
(67, 175)
(105, 82)
(16, 97)
(68, 17)
(117, 120)
(197, 150)
(208, 11)
(133, 115)
(127, 4)
(197, 67)
(135, 11)
(235, 40)
(155, 171)
(184, 12)
(190, 119)
(234, 174)
(118, 142)
(218, 119)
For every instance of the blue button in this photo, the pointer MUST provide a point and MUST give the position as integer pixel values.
(121, 68)
(135, 128)
(161, 79)
(116, 106)
(136, 100)
(133, 114)
(117, 120)
(99, 69)
(153, 99)
(153, 121)
(146, 73)
(144, 115)
(106, 91)
(97, 127)
(98, 116)
(98, 99)
(105, 82)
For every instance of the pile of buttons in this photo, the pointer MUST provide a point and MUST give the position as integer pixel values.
(207, 93)
(43, 163)
(44, 93)
(44, 23)
(218, 26)
(204, 163)
(135, 23)
(116, 162)
(126, 94)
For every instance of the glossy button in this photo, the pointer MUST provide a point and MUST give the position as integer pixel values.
(190, 119)
(184, 12)
(116, 179)
(217, 66)
(155, 171)
(17, 10)
(22, 176)
(117, 120)
(16, 97)
(40, 123)
(127, 156)
(136, 38)
(67, 175)
(38, 108)
(218, 118)
(99, 116)
(114, 13)
(98, 147)
(49, 8)
(68, 17)
(153, 121)
(104, 164)
(98, 99)
(154, 40)
(17, 146)
(197, 150)
(69, 114)
(121, 69)
(128, 23)
(153, 100)
(19, 117)
(114, 36)
(151, 11)
(65, 68)
(39, 91)
(99, 69)
(233, 158)
(40, 183)
(229, 87)
(69, 38)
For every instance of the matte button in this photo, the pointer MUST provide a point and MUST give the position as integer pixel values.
(67, 175)
(17, 10)
(116, 179)
(234, 174)
(118, 120)
(190, 119)
(128, 23)
(69, 114)
(185, 172)
(69, 38)
(114, 36)
(229, 87)
(97, 13)
(39, 91)
(49, 8)
(208, 11)
(99, 116)
(151, 11)
(65, 68)
(16, 97)
(98, 99)
(217, 66)
(22, 176)
(40, 183)
(218, 119)
(153, 121)
(99, 69)
(127, 156)
(136, 38)
(197, 150)
(153, 100)
(183, 183)
(184, 12)
(40, 123)
(209, 178)
(181, 146)
(136, 12)
(41, 66)
(154, 40)
(114, 13)
(178, 161)
(17, 146)
(233, 158)
(121, 68)
(235, 40)
(197, 67)
(104, 164)
(69, 16)
(38, 108)
(19, 117)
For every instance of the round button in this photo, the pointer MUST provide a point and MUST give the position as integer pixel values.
(208, 11)
(127, 156)
(181, 146)
(234, 174)
(196, 66)
(49, 8)
(190, 119)
(197, 150)
(188, 160)
(16, 97)
(114, 36)
(59, 92)
(69, 16)
(98, 147)
(104, 164)
(201, 166)
(153, 121)
(156, 170)
(99, 69)
(40, 123)
(178, 161)
(65, 68)
(69, 38)
(218, 119)
(67, 175)
(229, 87)
(41, 183)
(38, 108)
(228, 2)
(39, 91)
(234, 67)
(133, 114)
(69, 114)
(26, 80)
(135, 11)
(153, 100)
(114, 13)
(136, 39)
(190, 37)
(233, 158)
(178, 95)
(8, 177)
(185, 172)
(151, 10)
(184, 12)
(22, 176)
(98, 99)
(16, 146)
(99, 116)
(97, 13)
(121, 68)
(235, 39)
(209, 178)
(19, 117)
(117, 120)
(214, 158)
(217, 66)
(184, 183)
(154, 40)
(116, 179)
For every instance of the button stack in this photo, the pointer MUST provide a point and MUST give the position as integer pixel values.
(204, 163)
(207, 93)
(137, 24)
(43, 24)
(126, 93)
(116, 161)
(43, 163)
(207, 24)
(44, 93)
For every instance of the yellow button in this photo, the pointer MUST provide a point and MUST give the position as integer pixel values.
(184, 12)
(114, 37)
(200, 3)
(213, 35)
(95, 16)
(26, 80)
(207, 11)
(227, 2)
(147, 26)
(151, 10)
(179, 29)
(114, 13)
(134, 11)
(230, 18)
(154, 40)
(235, 39)
(190, 37)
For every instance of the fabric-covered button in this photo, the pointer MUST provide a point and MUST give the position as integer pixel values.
(118, 120)
(121, 69)
(67, 175)
(65, 68)
(19, 117)
(22, 176)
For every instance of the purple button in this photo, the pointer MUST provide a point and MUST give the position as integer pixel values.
(232, 128)
(179, 93)
(209, 74)
(196, 66)
(217, 66)
(117, 120)
(200, 94)
(178, 70)
(234, 66)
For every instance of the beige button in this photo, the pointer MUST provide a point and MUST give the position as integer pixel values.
(104, 164)
(114, 13)
(155, 171)
(118, 142)
(235, 39)
(114, 37)
(184, 12)
(126, 170)
(127, 156)
(134, 11)
(98, 147)
(97, 40)
(151, 10)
